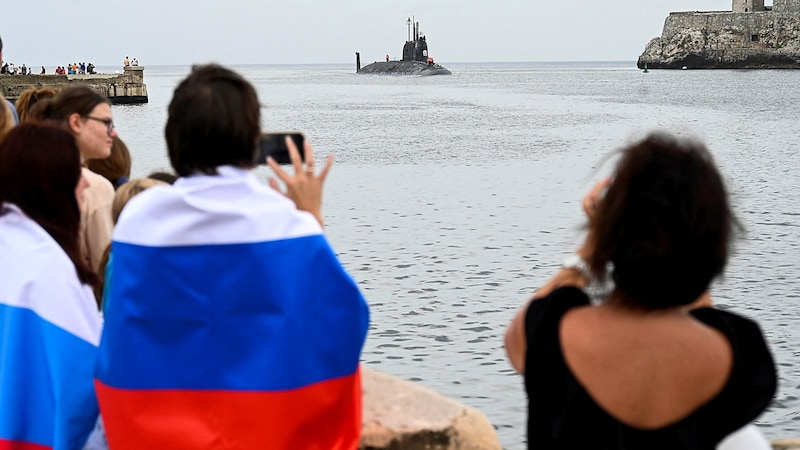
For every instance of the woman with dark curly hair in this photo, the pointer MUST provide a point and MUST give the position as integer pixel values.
(653, 365)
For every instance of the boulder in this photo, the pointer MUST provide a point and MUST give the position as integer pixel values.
(399, 414)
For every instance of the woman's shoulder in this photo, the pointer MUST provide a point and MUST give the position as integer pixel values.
(753, 379)
(233, 207)
(41, 273)
(99, 186)
(724, 320)
(743, 334)
(557, 303)
(544, 314)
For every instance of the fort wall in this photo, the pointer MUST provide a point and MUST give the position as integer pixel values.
(726, 39)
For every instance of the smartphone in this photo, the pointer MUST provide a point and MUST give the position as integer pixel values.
(274, 144)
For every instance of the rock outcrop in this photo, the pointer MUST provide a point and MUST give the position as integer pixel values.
(755, 38)
(399, 414)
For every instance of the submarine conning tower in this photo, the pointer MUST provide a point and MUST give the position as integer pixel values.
(415, 49)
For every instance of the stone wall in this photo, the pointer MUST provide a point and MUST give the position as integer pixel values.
(729, 40)
(127, 87)
(786, 6)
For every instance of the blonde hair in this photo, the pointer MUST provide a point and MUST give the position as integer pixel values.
(129, 190)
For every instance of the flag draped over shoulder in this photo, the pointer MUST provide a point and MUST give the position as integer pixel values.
(230, 323)
(49, 331)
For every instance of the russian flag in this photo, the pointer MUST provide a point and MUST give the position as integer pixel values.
(230, 324)
(49, 332)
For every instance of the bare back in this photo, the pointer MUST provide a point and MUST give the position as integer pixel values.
(646, 369)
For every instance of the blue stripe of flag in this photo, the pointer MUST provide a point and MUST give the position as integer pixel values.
(46, 380)
(254, 316)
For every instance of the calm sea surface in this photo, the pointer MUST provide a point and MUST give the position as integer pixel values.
(453, 198)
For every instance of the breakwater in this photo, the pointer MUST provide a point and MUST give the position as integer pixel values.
(120, 88)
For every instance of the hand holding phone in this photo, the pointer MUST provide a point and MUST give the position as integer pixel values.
(273, 145)
(304, 186)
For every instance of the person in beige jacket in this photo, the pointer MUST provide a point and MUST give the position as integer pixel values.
(87, 114)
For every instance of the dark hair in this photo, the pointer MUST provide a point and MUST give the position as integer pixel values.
(214, 120)
(80, 99)
(117, 167)
(1, 44)
(665, 223)
(166, 177)
(40, 167)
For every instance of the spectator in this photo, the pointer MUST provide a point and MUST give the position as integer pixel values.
(651, 366)
(214, 273)
(6, 70)
(30, 97)
(6, 119)
(117, 167)
(49, 325)
(87, 115)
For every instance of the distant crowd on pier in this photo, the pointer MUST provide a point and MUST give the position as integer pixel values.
(70, 69)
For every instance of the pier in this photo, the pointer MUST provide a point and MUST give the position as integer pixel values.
(120, 88)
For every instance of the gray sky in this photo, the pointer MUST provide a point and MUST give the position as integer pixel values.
(57, 32)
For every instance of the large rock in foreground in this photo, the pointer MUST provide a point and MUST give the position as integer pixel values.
(399, 414)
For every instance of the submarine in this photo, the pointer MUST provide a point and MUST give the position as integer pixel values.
(416, 60)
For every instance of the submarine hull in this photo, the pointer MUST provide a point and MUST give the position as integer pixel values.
(404, 68)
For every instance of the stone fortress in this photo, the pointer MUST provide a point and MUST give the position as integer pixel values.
(750, 36)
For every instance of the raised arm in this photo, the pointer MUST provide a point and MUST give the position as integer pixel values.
(576, 275)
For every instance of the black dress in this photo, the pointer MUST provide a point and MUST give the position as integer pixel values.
(562, 415)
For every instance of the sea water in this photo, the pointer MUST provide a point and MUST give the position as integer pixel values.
(453, 198)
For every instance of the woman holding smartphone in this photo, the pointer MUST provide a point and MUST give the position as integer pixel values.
(652, 366)
(230, 323)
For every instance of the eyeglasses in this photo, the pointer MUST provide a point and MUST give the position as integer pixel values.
(108, 123)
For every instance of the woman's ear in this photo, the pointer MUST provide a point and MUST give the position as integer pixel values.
(75, 123)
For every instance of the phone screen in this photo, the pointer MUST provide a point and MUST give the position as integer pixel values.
(274, 145)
